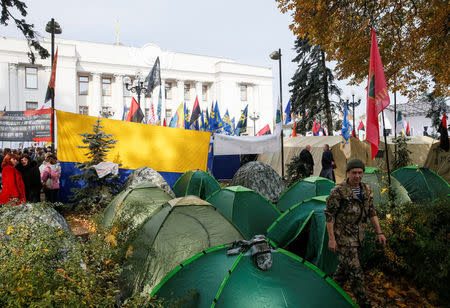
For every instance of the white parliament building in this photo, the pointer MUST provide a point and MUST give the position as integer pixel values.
(90, 80)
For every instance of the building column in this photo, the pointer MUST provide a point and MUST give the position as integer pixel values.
(119, 102)
(13, 88)
(198, 90)
(180, 93)
(96, 100)
(163, 100)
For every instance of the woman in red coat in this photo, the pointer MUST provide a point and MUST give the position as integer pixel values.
(13, 187)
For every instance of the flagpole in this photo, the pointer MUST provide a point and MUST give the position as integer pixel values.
(395, 124)
(386, 148)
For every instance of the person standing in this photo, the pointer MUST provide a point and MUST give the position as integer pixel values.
(31, 178)
(13, 187)
(349, 205)
(307, 159)
(50, 177)
(327, 164)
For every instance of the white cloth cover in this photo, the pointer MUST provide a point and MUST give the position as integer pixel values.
(106, 167)
(232, 145)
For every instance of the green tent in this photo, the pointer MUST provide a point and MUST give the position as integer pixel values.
(182, 228)
(304, 189)
(248, 210)
(213, 279)
(196, 183)
(133, 206)
(302, 229)
(378, 182)
(422, 184)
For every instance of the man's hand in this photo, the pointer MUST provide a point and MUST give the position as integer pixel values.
(381, 239)
(332, 246)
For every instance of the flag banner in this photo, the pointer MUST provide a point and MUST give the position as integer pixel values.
(287, 113)
(361, 125)
(227, 128)
(316, 128)
(186, 117)
(158, 111)
(345, 142)
(195, 112)
(30, 125)
(233, 125)
(408, 132)
(124, 115)
(153, 79)
(400, 125)
(207, 121)
(152, 118)
(177, 120)
(51, 84)
(135, 114)
(241, 126)
(218, 125)
(443, 130)
(264, 131)
(294, 130)
(377, 96)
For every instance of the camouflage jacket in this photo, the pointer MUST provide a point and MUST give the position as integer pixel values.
(349, 214)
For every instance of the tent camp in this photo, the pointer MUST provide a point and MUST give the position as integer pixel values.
(250, 212)
(196, 183)
(378, 182)
(133, 206)
(213, 279)
(294, 145)
(182, 228)
(304, 189)
(438, 160)
(422, 184)
(302, 230)
(147, 174)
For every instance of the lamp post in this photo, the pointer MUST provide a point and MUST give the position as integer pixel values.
(276, 55)
(106, 112)
(354, 104)
(53, 28)
(139, 86)
(254, 116)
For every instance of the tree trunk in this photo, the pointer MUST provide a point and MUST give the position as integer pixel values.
(325, 94)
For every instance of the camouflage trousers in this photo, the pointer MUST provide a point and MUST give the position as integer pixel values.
(349, 269)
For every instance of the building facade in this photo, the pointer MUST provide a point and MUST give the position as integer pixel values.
(89, 80)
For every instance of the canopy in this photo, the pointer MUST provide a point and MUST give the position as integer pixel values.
(182, 228)
(197, 183)
(438, 160)
(422, 184)
(304, 189)
(261, 178)
(294, 145)
(213, 279)
(302, 229)
(248, 210)
(378, 181)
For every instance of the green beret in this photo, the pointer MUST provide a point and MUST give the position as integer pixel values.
(355, 163)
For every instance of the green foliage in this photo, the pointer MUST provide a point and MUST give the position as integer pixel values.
(401, 159)
(94, 193)
(296, 170)
(438, 107)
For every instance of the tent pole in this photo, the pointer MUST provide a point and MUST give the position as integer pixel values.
(386, 148)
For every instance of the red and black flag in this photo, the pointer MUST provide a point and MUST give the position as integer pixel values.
(195, 112)
(51, 84)
(443, 130)
(135, 114)
(361, 126)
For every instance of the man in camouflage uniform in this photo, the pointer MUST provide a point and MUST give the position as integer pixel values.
(349, 205)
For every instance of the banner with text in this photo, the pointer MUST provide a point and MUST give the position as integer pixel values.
(30, 125)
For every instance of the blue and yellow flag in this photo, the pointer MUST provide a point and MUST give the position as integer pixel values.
(227, 124)
(346, 128)
(218, 125)
(241, 126)
(177, 120)
(186, 117)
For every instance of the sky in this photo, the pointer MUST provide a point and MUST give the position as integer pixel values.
(245, 31)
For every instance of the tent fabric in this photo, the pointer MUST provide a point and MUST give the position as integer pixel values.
(261, 178)
(293, 223)
(196, 183)
(294, 145)
(213, 279)
(422, 184)
(147, 174)
(378, 181)
(438, 160)
(232, 145)
(304, 189)
(250, 212)
(182, 228)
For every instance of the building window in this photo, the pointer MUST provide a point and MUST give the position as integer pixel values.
(84, 110)
(168, 116)
(146, 114)
(106, 86)
(31, 77)
(31, 105)
(243, 88)
(168, 90)
(187, 91)
(205, 89)
(83, 85)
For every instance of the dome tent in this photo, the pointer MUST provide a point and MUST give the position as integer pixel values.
(250, 212)
(134, 205)
(213, 279)
(182, 228)
(422, 184)
(302, 229)
(378, 182)
(147, 174)
(196, 183)
(304, 189)
(261, 178)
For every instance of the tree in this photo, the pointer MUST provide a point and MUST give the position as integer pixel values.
(312, 85)
(27, 29)
(438, 107)
(94, 192)
(413, 38)
(402, 157)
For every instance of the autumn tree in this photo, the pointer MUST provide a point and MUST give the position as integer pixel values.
(8, 7)
(413, 38)
(311, 86)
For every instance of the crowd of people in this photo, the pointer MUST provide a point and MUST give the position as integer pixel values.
(26, 173)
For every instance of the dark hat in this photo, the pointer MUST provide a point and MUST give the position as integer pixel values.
(355, 163)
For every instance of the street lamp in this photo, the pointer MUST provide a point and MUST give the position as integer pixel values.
(53, 28)
(254, 116)
(276, 55)
(106, 112)
(139, 86)
(354, 104)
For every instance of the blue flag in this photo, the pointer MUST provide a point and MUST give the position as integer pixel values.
(207, 121)
(287, 111)
(227, 124)
(186, 117)
(241, 126)
(124, 116)
(212, 118)
(233, 125)
(158, 110)
(219, 123)
(346, 127)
